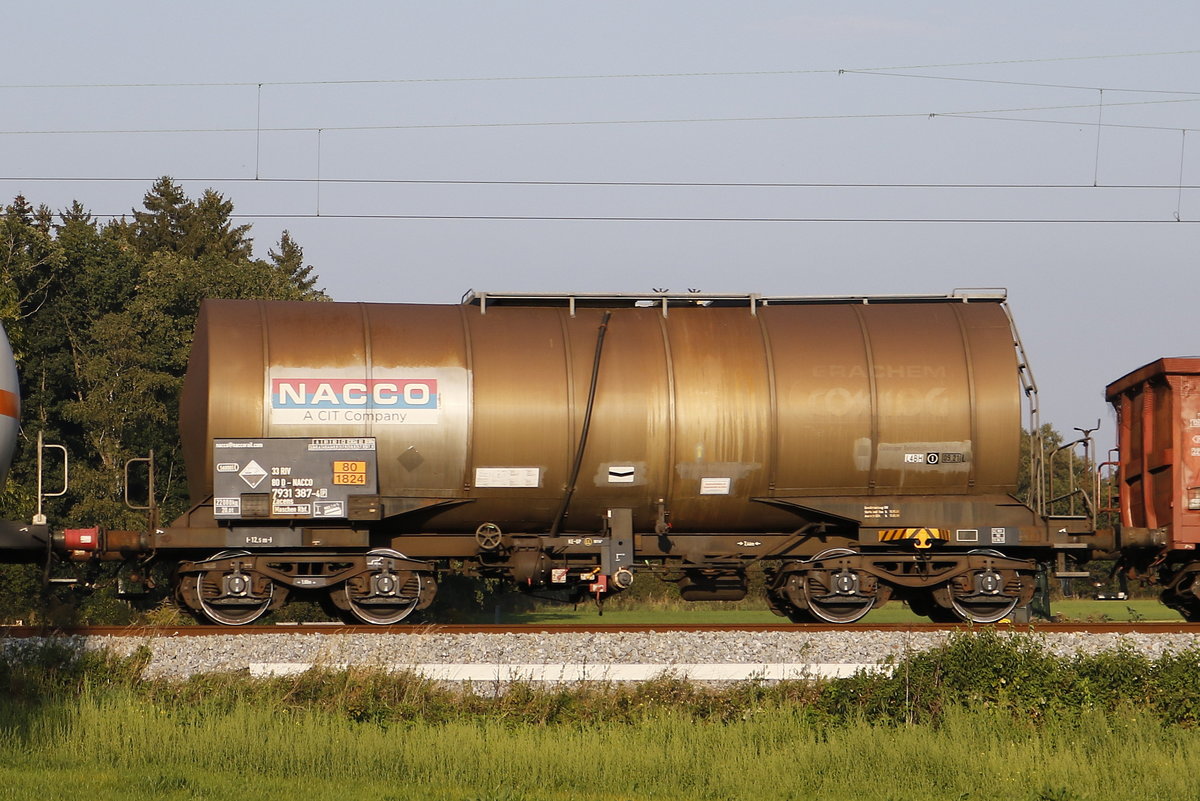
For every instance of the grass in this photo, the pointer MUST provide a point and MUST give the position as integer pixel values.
(1087, 610)
(114, 748)
(984, 716)
(1066, 610)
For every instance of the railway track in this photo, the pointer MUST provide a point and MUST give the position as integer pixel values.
(1144, 627)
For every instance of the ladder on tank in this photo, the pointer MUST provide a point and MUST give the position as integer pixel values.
(1037, 446)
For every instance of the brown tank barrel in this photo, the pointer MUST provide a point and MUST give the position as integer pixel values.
(698, 409)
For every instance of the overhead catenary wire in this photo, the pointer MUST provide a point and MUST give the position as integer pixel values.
(683, 219)
(318, 213)
(1034, 84)
(983, 115)
(564, 123)
(258, 132)
(1179, 195)
(1075, 123)
(598, 184)
(593, 77)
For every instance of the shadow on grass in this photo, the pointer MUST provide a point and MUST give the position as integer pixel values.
(37, 673)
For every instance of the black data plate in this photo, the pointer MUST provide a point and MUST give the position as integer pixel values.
(301, 478)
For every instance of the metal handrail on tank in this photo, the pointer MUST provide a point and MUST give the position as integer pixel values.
(1088, 497)
(1037, 453)
(667, 299)
(1107, 474)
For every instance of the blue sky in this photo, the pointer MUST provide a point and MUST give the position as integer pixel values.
(593, 101)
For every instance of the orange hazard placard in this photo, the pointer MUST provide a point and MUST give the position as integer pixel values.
(352, 473)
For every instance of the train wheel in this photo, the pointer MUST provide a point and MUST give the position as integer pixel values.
(990, 611)
(1183, 593)
(383, 596)
(984, 595)
(1188, 611)
(836, 595)
(231, 596)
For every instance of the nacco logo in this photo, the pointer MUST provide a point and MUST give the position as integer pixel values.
(371, 393)
(355, 401)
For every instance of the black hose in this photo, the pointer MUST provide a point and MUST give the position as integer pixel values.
(587, 424)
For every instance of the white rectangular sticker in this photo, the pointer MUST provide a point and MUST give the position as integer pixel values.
(715, 486)
(329, 509)
(342, 444)
(286, 508)
(227, 506)
(621, 474)
(508, 476)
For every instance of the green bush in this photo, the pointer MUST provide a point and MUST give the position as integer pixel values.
(985, 670)
(985, 710)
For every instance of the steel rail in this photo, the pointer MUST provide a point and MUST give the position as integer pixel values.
(150, 632)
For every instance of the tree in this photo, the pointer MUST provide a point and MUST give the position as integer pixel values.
(174, 223)
(30, 264)
(289, 261)
(164, 223)
(101, 316)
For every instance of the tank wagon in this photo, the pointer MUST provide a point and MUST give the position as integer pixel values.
(1158, 478)
(18, 541)
(859, 449)
(10, 406)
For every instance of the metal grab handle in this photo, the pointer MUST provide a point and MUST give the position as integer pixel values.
(149, 460)
(39, 519)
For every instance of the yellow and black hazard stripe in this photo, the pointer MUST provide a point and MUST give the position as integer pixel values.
(920, 537)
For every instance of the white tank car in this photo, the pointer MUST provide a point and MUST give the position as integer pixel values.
(10, 406)
(17, 539)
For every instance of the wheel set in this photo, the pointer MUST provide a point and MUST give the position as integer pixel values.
(841, 586)
(228, 593)
(385, 595)
(837, 586)
(235, 588)
(836, 593)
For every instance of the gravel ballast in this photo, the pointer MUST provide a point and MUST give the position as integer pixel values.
(180, 657)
